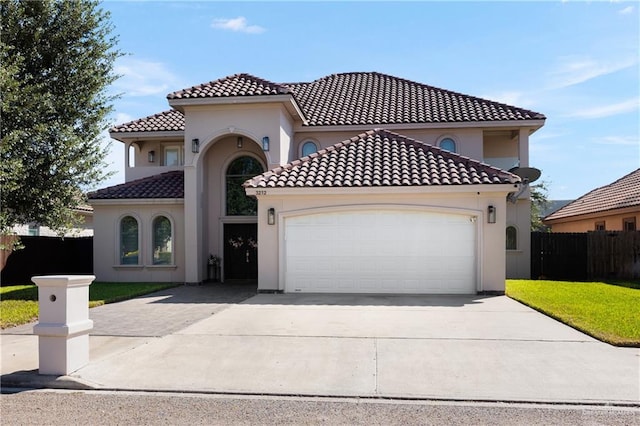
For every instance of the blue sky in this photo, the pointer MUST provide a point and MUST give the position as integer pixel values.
(575, 62)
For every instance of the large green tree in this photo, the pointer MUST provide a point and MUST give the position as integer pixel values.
(57, 61)
(539, 204)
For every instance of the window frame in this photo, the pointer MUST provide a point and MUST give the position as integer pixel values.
(308, 142)
(172, 240)
(515, 238)
(600, 225)
(626, 221)
(119, 247)
(453, 140)
(225, 184)
(172, 147)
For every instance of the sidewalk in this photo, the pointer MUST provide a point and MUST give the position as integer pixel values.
(427, 347)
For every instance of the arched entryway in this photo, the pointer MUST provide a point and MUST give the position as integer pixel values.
(240, 237)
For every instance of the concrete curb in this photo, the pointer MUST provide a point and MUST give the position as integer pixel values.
(33, 380)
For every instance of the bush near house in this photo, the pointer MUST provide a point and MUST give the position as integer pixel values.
(19, 303)
(605, 311)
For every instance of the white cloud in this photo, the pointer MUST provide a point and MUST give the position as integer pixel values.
(238, 24)
(618, 140)
(143, 78)
(627, 10)
(575, 70)
(607, 110)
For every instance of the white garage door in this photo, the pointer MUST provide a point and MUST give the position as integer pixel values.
(380, 252)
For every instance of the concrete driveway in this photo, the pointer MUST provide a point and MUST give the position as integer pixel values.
(441, 347)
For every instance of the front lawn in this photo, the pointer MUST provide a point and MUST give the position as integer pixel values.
(19, 303)
(608, 312)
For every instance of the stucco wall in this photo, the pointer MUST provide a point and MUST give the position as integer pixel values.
(491, 237)
(613, 222)
(106, 238)
(519, 260)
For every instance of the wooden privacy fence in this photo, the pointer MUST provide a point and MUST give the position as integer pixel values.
(586, 256)
(48, 255)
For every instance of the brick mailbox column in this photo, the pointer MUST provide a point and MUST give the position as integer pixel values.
(63, 323)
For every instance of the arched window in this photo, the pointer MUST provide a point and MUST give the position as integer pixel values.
(129, 248)
(448, 144)
(162, 241)
(512, 238)
(309, 148)
(238, 203)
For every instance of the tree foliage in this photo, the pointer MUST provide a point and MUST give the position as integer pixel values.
(57, 63)
(539, 204)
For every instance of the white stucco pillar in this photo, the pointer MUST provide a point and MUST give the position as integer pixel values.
(192, 208)
(63, 322)
(523, 147)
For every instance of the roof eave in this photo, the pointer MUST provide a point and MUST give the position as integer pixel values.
(137, 201)
(130, 136)
(532, 124)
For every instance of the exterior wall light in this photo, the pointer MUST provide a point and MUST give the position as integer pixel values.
(195, 145)
(239, 142)
(151, 156)
(491, 214)
(265, 143)
(271, 216)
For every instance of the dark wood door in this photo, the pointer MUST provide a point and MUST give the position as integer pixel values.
(240, 251)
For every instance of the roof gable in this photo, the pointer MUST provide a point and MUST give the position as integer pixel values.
(165, 185)
(381, 158)
(624, 192)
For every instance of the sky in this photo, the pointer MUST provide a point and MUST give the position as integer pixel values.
(575, 62)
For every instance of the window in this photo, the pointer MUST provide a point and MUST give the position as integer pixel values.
(173, 156)
(309, 148)
(629, 224)
(512, 238)
(448, 144)
(238, 203)
(33, 230)
(600, 226)
(129, 252)
(162, 241)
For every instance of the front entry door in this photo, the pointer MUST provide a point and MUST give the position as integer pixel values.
(240, 251)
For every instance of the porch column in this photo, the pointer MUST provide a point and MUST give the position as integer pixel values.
(192, 208)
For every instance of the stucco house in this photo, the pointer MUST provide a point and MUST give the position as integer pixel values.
(357, 182)
(613, 207)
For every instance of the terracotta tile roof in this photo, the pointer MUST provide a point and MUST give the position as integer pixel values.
(625, 192)
(234, 85)
(357, 98)
(165, 185)
(381, 158)
(374, 98)
(171, 120)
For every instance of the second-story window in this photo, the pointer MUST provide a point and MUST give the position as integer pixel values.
(173, 156)
(448, 144)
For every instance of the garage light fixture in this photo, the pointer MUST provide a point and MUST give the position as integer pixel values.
(151, 156)
(265, 143)
(195, 145)
(491, 214)
(271, 216)
(239, 142)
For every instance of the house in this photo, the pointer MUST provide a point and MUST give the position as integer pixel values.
(83, 227)
(355, 182)
(613, 207)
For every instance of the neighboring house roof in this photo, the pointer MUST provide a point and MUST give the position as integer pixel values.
(165, 185)
(233, 85)
(625, 192)
(171, 120)
(381, 158)
(356, 98)
(83, 208)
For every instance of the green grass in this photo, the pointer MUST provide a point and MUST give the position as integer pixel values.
(607, 311)
(19, 303)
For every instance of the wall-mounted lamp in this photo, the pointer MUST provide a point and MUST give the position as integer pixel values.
(239, 142)
(195, 145)
(271, 216)
(265, 143)
(491, 214)
(151, 156)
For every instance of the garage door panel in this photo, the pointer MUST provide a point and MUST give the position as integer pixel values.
(380, 251)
